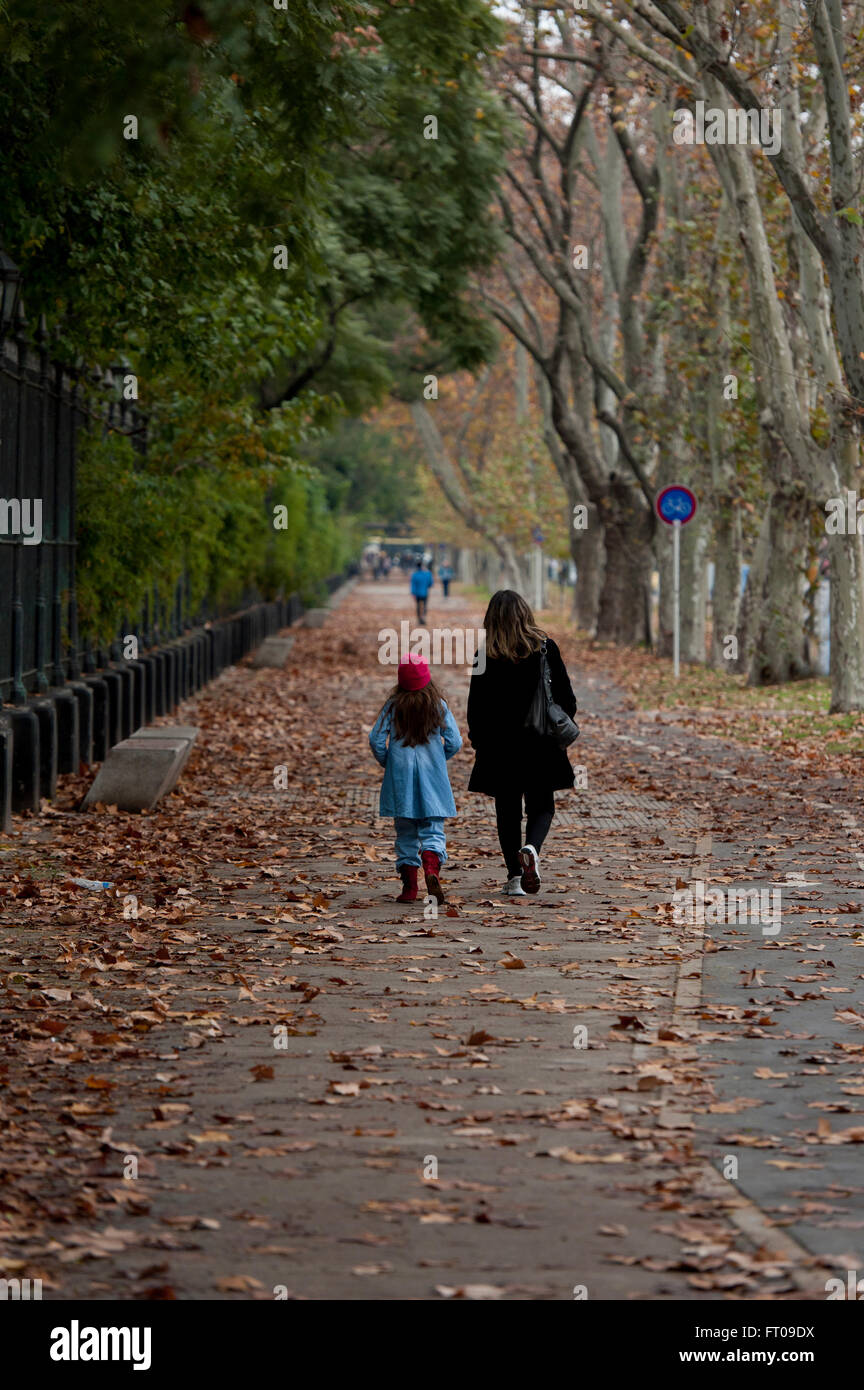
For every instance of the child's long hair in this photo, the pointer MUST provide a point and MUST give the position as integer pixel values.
(417, 714)
(511, 630)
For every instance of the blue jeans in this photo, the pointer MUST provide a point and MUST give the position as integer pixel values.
(414, 835)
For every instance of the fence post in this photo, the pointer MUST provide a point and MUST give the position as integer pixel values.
(58, 675)
(74, 665)
(41, 612)
(19, 693)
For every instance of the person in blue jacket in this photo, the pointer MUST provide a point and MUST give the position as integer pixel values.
(421, 582)
(412, 739)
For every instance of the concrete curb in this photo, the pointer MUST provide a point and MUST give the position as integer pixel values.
(739, 1209)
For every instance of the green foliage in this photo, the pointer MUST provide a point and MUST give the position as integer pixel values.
(141, 527)
(257, 128)
(123, 530)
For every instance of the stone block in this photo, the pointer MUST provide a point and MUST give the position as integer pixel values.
(46, 713)
(101, 741)
(68, 729)
(315, 617)
(273, 652)
(26, 759)
(143, 768)
(187, 731)
(84, 695)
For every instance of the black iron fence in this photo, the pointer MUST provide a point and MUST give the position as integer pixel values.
(43, 406)
(65, 699)
(40, 414)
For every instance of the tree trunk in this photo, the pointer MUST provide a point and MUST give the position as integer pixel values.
(587, 551)
(726, 601)
(586, 545)
(466, 566)
(627, 535)
(778, 646)
(846, 559)
(694, 544)
(727, 538)
(514, 570)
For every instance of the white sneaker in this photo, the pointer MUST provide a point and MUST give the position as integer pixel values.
(513, 887)
(530, 861)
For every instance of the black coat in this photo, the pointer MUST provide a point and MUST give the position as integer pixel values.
(509, 756)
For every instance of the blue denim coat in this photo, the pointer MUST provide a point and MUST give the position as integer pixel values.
(415, 783)
(421, 582)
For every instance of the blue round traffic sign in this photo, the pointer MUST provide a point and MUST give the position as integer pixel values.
(676, 503)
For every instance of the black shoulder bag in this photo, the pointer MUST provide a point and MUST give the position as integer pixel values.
(545, 716)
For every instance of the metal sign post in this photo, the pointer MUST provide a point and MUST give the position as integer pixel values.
(676, 595)
(676, 506)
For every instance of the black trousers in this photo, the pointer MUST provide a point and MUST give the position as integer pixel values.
(539, 811)
(421, 608)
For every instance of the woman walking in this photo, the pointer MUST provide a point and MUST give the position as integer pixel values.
(513, 761)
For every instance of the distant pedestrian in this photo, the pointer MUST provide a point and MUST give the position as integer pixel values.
(445, 574)
(421, 583)
(513, 761)
(412, 739)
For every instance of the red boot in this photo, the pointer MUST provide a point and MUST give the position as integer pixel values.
(408, 874)
(431, 870)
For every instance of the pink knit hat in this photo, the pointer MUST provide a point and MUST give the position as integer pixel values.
(413, 673)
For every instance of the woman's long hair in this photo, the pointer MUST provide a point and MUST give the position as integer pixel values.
(511, 632)
(417, 714)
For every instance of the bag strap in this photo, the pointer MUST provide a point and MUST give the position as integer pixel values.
(545, 673)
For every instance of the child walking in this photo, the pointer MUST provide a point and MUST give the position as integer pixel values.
(413, 737)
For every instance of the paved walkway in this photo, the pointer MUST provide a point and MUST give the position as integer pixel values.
(330, 1095)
